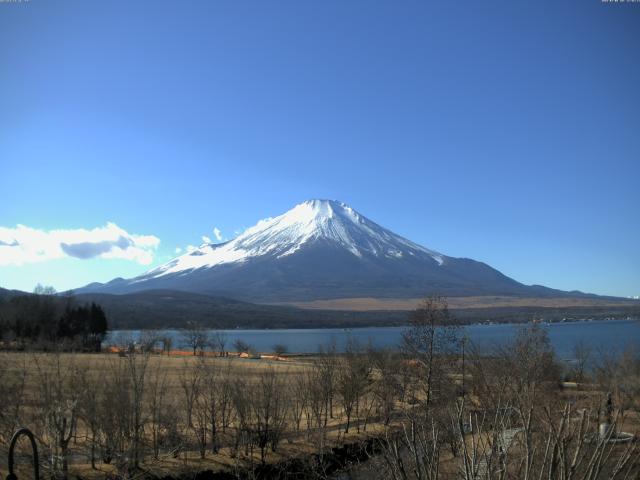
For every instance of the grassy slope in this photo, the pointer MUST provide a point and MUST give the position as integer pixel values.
(165, 309)
(172, 309)
(475, 302)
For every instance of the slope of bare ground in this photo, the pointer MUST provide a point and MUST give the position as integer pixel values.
(376, 304)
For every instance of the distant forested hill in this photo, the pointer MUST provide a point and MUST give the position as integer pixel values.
(173, 309)
(156, 309)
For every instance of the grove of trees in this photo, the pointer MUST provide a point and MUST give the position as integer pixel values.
(44, 320)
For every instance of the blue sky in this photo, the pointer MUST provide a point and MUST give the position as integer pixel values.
(507, 132)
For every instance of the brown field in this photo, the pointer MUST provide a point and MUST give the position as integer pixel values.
(174, 368)
(379, 304)
(57, 381)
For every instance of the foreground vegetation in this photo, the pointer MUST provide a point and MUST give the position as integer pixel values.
(435, 409)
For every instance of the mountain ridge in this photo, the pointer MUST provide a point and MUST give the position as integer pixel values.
(323, 249)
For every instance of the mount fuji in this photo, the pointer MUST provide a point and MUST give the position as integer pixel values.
(322, 249)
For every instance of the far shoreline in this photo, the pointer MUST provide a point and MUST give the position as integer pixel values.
(487, 323)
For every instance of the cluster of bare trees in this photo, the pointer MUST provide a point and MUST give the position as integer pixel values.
(65, 403)
(195, 336)
(133, 409)
(486, 414)
(513, 421)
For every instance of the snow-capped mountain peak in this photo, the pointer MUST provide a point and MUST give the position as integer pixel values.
(320, 249)
(327, 222)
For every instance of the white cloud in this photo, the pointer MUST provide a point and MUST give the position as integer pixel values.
(191, 248)
(206, 239)
(217, 233)
(24, 244)
(178, 250)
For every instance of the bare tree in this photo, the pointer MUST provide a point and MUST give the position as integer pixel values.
(279, 349)
(387, 386)
(565, 446)
(299, 396)
(58, 407)
(581, 353)
(136, 369)
(157, 405)
(227, 376)
(90, 385)
(219, 342)
(269, 409)
(522, 373)
(619, 373)
(190, 380)
(195, 336)
(114, 412)
(167, 343)
(122, 411)
(413, 451)
(207, 383)
(148, 341)
(320, 381)
(242, 410)
(201, 413)
(432, 334)
(354, 372)
(212, 400)
(13, 378)
(326, 365)
(241, 346)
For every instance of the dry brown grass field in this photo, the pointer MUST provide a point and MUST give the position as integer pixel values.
(71, 371)
(63, 378)
(430, 411)
(392, 304)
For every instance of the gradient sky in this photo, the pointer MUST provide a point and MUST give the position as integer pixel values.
(504, 131)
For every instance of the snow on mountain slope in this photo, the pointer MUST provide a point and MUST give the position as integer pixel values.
(320, 249)
(314, 220)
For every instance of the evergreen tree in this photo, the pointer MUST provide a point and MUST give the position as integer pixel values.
(45, 317)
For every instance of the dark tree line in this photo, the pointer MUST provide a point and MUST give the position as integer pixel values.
(45, 318)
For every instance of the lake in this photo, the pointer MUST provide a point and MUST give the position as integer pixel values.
(606, 336)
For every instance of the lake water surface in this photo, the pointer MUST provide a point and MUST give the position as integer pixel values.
(607, 336)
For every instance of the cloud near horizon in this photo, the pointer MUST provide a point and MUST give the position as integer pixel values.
(24, 244)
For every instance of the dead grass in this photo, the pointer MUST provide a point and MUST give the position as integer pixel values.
(381, 304)
(175, 365)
